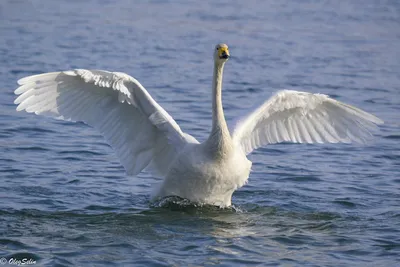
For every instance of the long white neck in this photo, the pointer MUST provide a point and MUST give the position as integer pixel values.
(219, 142)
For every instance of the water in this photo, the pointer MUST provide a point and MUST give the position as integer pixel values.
(65, 200)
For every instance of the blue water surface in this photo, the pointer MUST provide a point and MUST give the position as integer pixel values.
(66, 200)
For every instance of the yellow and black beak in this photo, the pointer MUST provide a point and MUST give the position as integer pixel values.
(223, 52)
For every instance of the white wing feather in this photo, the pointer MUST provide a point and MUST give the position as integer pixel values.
(141, 132)
(300, 117)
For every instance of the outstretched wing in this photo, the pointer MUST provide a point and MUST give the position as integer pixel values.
(300, 117)
(141, 132)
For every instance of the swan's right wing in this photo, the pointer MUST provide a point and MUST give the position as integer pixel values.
(301, 117)
(141, 132)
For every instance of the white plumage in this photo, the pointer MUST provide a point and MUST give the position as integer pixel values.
(144, 135)
(301, 117)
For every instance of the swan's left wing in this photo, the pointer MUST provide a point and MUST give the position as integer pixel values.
(141, 132)
(300, 117)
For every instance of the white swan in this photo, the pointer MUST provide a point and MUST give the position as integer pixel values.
(144, 135)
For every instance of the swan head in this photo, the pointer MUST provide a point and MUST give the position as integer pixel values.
(221, 53)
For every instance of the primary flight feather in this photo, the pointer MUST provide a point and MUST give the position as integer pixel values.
(145, 136)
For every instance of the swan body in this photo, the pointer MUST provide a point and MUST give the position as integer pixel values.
(196, 175)
(145, 136)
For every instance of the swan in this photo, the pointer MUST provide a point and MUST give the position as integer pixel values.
(145, 137)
